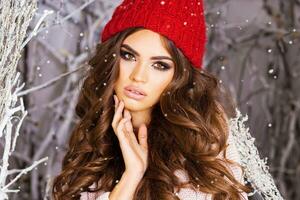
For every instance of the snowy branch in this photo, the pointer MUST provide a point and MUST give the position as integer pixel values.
(256, 169)
(15, 17)
(50, 82)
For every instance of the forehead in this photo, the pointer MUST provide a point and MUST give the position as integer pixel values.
(147, 42)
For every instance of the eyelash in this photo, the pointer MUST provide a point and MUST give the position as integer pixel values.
(166, 67)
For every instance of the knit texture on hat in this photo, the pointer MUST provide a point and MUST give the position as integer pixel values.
(181, 21)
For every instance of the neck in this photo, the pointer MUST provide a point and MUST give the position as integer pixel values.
(138, 118)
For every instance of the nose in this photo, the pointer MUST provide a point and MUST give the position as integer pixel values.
(139, 73)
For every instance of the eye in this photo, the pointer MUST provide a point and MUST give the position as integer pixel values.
(126, 55)
(161, 66)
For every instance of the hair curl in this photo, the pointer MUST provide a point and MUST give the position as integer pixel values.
(192, 134)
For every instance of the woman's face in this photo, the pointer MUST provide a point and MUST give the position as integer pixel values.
(146, 64)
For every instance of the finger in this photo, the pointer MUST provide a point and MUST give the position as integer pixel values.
(131, 136)
(142, 136)
(116, 100)
(127, 113)
(118, 114)
(128, 129)
(121, 132)
(128, 123)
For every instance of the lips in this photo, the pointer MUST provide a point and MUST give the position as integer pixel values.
(134, 95)
(135, 89)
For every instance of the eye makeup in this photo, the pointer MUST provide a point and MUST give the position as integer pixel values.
(162, 66)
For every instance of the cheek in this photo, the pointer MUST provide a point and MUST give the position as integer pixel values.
(125, 69)
(160, 82)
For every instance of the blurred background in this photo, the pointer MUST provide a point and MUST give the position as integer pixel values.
(253, 47)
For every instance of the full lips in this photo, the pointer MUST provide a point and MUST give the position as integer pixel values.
(133, 95)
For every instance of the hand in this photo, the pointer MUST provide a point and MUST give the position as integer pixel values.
(135, 154)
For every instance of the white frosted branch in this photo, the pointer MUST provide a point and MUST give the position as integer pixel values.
(17, 132)
(24, 171)
(76, 11)
(256, 169)
(11, 113)
(15, 17)
(37, 26)
(50, 82)
(39, 29)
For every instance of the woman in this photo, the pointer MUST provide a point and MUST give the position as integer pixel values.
(153, 125)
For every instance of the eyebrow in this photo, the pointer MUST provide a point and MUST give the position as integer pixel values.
(152, 58)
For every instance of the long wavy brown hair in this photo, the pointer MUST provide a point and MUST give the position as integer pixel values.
(188, 130)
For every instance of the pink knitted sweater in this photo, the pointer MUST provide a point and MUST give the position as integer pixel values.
(185, 193)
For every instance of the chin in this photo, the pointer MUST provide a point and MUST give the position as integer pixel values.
(134, 105)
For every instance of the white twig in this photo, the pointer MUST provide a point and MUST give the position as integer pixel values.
(15, 17)
(24, 171)
(256, 169)
(50, 82)
(37, 31)
(36, 28)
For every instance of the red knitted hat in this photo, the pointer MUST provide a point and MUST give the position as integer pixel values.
(181, 21)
